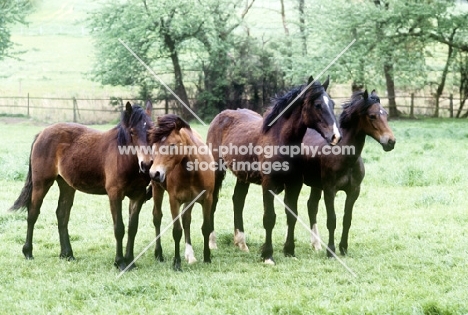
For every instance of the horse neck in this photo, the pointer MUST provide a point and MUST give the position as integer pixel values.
(353, 137)
(292, 129)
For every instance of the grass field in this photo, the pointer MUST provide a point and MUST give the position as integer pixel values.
(407, 244)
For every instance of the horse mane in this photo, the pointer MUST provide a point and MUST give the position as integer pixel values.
(128, 121)
(356, 106)
(280, 103)
(166, 124)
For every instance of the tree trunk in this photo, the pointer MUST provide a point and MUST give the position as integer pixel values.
(179, 88)
(302, 29)
(440, 87)
(390, 82)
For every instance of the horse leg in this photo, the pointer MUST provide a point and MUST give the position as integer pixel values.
(219, 176)
(134, 215)
(238, 199)
(291, 194)
(40, 189)
(65, 202)
(119, 229)
(329, 197)
(158, 194)
(269, 221)
(176, 233)
(312, 207)
(206, 228)
(186, 221)
(351, 198)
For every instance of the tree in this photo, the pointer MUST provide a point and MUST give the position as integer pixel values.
(11, 12)
(392, 38)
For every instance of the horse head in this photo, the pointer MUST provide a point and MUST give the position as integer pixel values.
(317, 112)
(169, 142)
(371, 118)
(133, 130)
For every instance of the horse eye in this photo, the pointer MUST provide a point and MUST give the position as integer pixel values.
(318, 105)
(373, 116)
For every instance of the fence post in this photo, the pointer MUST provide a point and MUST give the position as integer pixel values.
(412, 106)
(166, 106)
(75, 106)
(451, 105)
(28, 106)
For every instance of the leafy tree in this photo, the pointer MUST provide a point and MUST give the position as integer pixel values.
(11, 12)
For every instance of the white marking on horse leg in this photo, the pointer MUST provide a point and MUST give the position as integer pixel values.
(269, 261)
(315, 238)
(239, 241)
(189, 254)
(212, 241)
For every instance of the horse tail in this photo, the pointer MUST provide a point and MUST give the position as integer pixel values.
(24, 199)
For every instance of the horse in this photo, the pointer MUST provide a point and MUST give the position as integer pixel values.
(184, 167)
(94, 162)
(283, 126)
(362, 116)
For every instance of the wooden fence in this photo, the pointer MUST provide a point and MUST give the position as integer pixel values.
(96, 111)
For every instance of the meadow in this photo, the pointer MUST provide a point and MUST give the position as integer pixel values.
(407, 243)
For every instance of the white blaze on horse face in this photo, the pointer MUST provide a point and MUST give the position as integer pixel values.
(327, 101)
(189, 254)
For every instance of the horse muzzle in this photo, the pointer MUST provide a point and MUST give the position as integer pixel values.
(389, 145)
(158, 175)
(145, 166)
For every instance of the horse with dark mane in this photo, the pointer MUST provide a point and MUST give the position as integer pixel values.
(362, 116)
(183, 166)
(91, 161)
(283, 126)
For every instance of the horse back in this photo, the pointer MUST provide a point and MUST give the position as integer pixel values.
(85, 158)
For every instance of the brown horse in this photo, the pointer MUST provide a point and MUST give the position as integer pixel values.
(248, 137)
(182, 165)
(91, 161)
(362, 116)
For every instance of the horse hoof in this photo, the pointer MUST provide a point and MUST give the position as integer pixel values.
(269, 261)
(191, 260)
(343, 250)
(331, 251)
(317, 246)
(243, 247)
(177, 268)
(67, 257)
(207, 261)
(29, 257)
(212, 241)
(159, 258)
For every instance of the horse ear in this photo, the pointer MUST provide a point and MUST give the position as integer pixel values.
(128, 108)
(149, 107)
(311, 78)
(365, 95)
(326, 83)
(373, 93)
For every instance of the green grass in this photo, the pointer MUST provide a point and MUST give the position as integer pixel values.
(407, 244)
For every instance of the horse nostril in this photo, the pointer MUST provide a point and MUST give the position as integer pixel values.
(156, 176)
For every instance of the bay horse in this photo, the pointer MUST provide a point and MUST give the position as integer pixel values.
(91, 161)
(184, 167)
(362, 116)
(275, 172)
